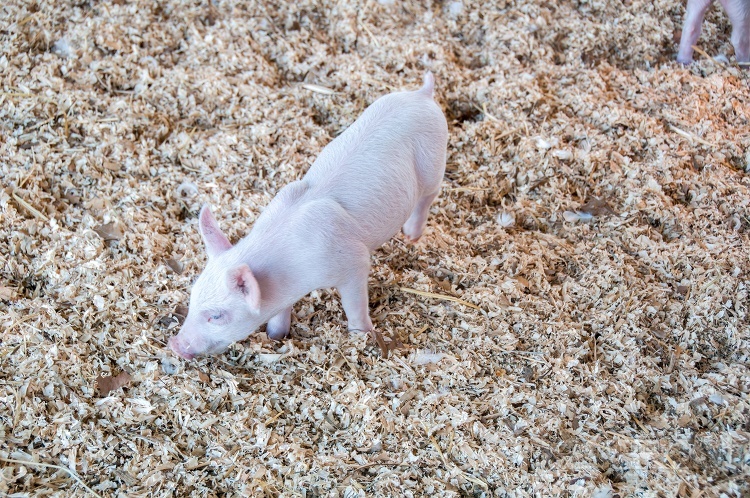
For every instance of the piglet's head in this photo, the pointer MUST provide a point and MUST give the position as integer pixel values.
(225, 300)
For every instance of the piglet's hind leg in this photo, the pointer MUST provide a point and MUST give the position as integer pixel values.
(414, 226)
(355, 300)
(354, 296)
(278, 326)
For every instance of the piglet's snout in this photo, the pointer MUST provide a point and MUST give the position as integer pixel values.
(176, 345)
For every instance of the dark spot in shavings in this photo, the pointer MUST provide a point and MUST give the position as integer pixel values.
(31, 286)
(181, 312)
(185, 214)
(177, 316)
(527, 374)
(212, 15)
(459, 111)
(167, 320)
(72, 198)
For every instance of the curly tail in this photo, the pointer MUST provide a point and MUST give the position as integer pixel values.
(428, 86)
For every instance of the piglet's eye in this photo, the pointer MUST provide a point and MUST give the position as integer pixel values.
(220, 317)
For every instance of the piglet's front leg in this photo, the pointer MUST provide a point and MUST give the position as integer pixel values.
(691, 29)
(277, 327)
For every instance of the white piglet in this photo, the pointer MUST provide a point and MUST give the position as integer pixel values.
(380, 175)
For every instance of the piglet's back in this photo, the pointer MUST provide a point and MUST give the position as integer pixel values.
(380, 166)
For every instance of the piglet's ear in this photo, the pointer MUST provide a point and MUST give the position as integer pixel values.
(216, 242)
(242, 280)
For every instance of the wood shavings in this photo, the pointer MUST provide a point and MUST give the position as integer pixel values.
(506, 220)
(174, 265)
(28, 207)
(443, 297)
(318, 89)
(563, 155)
(690, 136)
(270, 358)
(423, 358)
(600, 357)
(169, 366)
(483, 110)
(597, 207)
(7, 293)
(109, 231)
(50, 466)
(386, 347)
(187, 189)
(106, 383)
(594, 207)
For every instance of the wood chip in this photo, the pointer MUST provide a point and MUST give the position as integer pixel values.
(7, 293)
(318, 89)
(109, 231)
(597, 207)
(106, 384)
(174, 265)
(442, 297)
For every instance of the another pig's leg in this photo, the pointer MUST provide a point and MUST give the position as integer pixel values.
(278, 326)
(414, 226)
(739, 14)
(354, 297)
(691, 29)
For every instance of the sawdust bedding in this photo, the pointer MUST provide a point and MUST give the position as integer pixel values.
(573, 323)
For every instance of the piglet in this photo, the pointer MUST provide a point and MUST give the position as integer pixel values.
(739, 15)
(380, 175)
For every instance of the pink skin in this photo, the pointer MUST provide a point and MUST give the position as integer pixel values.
(178, 347)
(739, 15)
(380, 175)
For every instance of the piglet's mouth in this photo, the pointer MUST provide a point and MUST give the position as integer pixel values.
(187, 356)
(174, 345)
